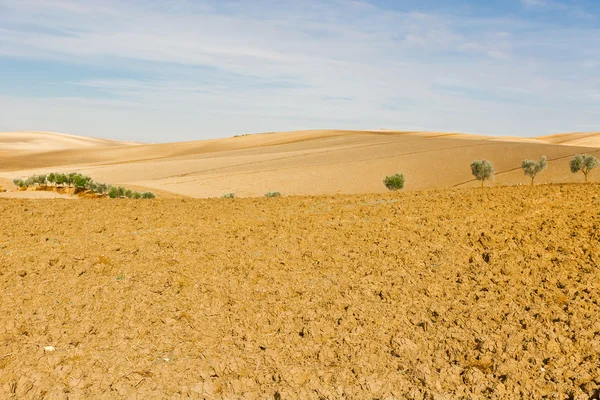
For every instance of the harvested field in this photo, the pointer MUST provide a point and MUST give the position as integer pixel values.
(321, 162)
(448, 294)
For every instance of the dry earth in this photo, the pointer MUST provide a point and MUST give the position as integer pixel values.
(293, 163)
(462, 293)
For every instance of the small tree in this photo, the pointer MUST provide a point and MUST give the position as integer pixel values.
(148, 195)
(272, 194)
(584, 163)
(113, 192)
(81, 181)
(40, 180)
(394, 182)
(60, 179)
(532, 168)
(482, 170)
(228, 196)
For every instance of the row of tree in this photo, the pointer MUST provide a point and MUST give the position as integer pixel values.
(584, 163)
(484, 169)
(81, 183)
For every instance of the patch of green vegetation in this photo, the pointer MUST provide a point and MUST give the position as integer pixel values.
(81, 183)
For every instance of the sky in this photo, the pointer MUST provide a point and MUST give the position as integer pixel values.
(177, 70)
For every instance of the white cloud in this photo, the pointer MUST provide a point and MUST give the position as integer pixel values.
(198, 70)
(534, 3)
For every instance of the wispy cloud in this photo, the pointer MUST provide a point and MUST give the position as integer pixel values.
(215, 68)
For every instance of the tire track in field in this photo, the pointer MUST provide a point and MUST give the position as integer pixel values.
(321, 153)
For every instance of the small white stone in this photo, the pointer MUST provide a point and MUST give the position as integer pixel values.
(49, 348)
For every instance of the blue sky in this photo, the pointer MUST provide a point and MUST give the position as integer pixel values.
(159, 71)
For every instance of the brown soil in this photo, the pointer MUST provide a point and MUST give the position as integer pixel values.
(465, 293)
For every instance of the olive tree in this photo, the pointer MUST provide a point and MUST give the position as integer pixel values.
(532, 168)
(482, 170)
(394, 182)
(81, 181)
(60, 179)
(584, 163)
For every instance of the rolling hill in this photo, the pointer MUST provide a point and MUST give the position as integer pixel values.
(294, 163)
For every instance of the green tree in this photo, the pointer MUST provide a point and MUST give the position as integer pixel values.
(60, 179)
(113, 192)
(40, 179)
(482, 170)
(394, 182)
(81, 181)
(584, 163)
(532, 168)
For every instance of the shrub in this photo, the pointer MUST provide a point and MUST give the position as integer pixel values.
(394, 182)
(532, 168)
(228, 196)
(40, 180)
(81, 181)
(60, 179)
(272, 194)
(101, 188)
(584, 163)
(71, 178)
(29, 181)
(113, 192)
(482, 170)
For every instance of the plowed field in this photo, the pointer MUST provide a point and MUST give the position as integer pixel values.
(467, 293)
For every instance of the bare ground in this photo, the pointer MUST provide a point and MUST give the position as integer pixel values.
(424, 295)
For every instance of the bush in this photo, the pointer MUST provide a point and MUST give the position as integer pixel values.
(584, 163)
(532, 168)
(394, 182)
(113, 192)
(272, 194)
(81, 181)
(101, 188)
(70, 179)
(482, 170)
(228, 196)
(29, 181)
(40, 180)
(60, 179)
